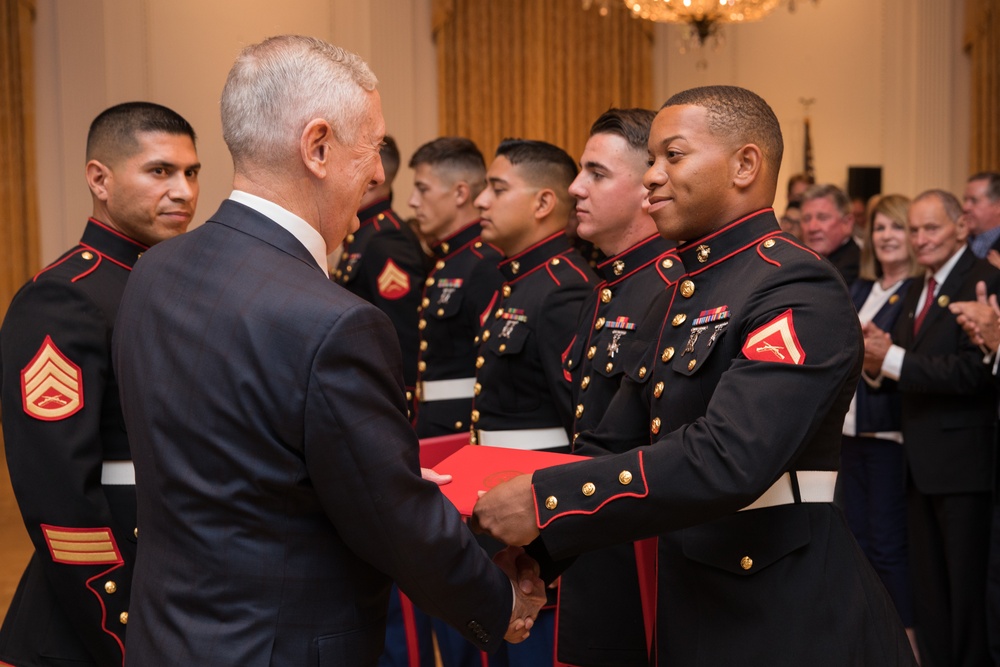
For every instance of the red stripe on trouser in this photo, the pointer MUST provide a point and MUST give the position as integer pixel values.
(410, 628)
(645, 565)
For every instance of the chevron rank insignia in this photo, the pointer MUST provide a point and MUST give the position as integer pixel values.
(775, 341)
(82, 546)
(51, 385)
(393, 282)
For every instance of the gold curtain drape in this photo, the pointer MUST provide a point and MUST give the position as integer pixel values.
(18, 203)
(982, 43)
(536, 70)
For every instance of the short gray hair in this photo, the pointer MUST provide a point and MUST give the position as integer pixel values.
(277, 86)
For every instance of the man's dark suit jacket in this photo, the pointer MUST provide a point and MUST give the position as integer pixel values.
(847, 259)
(277, 473)
(949, 406)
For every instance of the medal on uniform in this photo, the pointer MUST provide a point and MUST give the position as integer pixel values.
(692, 339)
(613, 346)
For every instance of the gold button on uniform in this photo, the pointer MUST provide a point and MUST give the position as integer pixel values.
(345, 255)
(655, 425)
(551, 502)
(579, 410)
(478, 244)
(667, 263)
(692, 364)
(423, 345)
(426, 302)
(497, 314)
(110, 587)
(350, 238)
(458, 426)
(769, 243)
(422, 324)
(687, 289)
(429, 282)
(422, 366)
(439, 265)
(667, 355)
(555, 261)
(486, 335)
(87, 255)
(625, 477)
(588, 489)
(123, 618)
(599, 324)
(679, 319)
(476, 388)
(585, 382)
(610, 367)
(480, 361)
(440, 312)
(503, 347)
(409, 395)
(136, 531)
(658, 390)
(445, 248)
(746, 562)
(605, 295)
(642, 372)
(591, 351)
(475, 416)
(506, 290)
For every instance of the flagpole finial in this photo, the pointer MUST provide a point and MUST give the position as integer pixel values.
(807, 102)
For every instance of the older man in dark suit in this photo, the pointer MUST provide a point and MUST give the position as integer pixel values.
(277, 473)
(949, 433)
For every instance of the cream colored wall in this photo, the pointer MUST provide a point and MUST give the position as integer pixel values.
(95, 53)
(889, 79)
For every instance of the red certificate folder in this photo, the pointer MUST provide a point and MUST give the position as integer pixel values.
(436, 449)
(476, 468)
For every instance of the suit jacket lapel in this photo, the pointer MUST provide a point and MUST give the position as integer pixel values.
(948, 289)
(248, 221)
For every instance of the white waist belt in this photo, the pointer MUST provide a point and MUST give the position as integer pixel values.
(815, 486)
(446, 390)
(525, 438)
(118, 473)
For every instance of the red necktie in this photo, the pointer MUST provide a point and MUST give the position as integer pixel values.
(928, 300)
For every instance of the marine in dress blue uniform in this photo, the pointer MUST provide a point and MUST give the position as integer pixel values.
(382, 262)
(66, 444)
(739, 406)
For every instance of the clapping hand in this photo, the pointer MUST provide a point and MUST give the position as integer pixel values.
(980, 318)
(529, 591)
(877, 344)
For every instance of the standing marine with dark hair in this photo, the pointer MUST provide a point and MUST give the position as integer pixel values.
(523, 396)
(600, 611)
(382, 262)
(65, 438)
(731, 420)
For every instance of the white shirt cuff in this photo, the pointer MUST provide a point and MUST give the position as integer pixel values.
(892, 365)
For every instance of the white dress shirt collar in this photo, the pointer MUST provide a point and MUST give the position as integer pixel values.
(942, 274)
(293, 224)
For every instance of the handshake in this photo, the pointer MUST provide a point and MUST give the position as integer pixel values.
(529, 591)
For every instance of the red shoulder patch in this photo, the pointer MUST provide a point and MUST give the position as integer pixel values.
(775, 341)
(51, 384)
(393, 282)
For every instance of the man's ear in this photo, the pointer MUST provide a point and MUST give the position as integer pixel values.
(545, 202)
(462, 192)
(98, 177)
(748, 161)
(316, 146)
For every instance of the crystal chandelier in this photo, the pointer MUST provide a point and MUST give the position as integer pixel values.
(703, 17)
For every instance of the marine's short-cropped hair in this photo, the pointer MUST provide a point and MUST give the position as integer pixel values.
(831, 192)
(541, 163)
(277, 86)
(114, 133)
(389, 154)
(632, 125)
(458, 157)
(739, 114)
